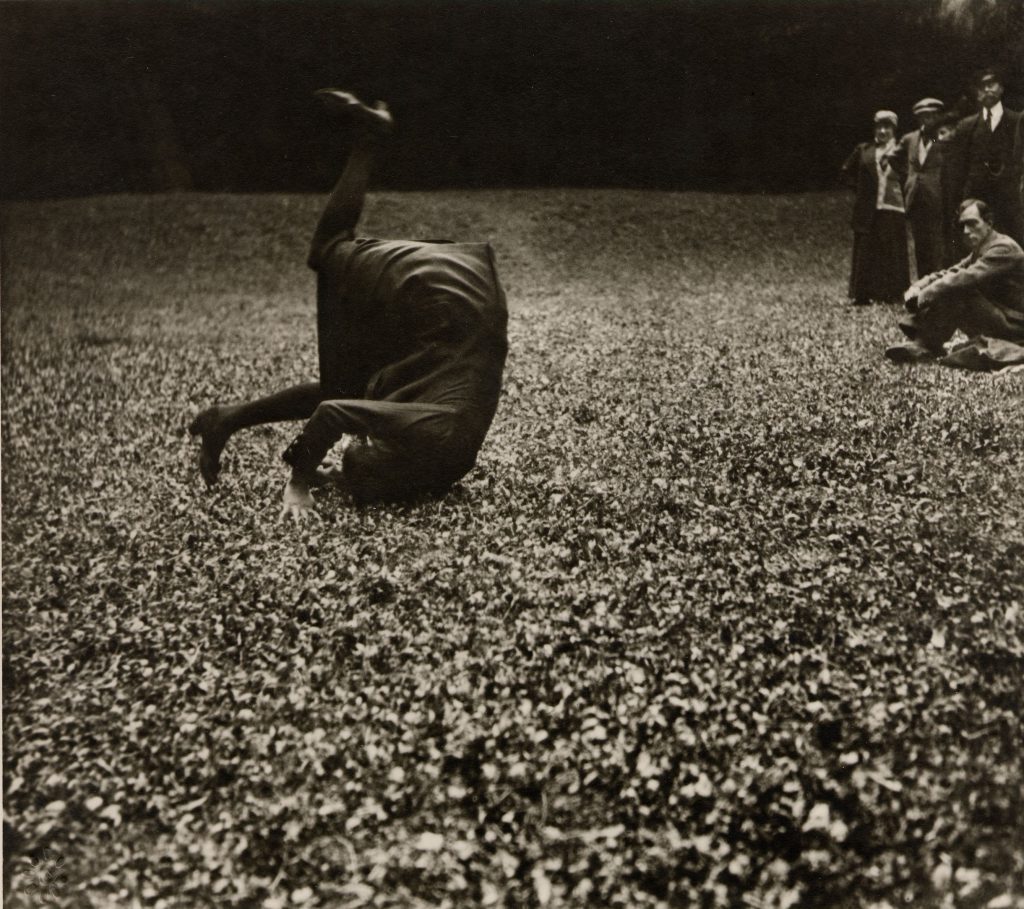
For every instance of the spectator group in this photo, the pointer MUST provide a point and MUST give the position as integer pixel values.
(909, 189)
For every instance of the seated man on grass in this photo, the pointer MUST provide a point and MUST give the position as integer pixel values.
(411, 341)
(980, 295)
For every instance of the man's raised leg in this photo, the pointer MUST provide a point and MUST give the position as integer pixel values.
(217, 424)
(345, 204)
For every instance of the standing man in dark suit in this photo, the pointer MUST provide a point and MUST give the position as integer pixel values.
(918, 160)
(986, 156)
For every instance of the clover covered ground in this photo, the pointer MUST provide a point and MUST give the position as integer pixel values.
(730, 612)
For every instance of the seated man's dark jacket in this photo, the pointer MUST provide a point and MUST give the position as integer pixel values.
(995, 271)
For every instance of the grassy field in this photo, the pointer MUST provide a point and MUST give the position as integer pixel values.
(731, 612)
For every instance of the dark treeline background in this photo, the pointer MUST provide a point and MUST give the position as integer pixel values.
(99, 97)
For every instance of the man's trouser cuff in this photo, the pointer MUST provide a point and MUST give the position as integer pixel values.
(308, 449)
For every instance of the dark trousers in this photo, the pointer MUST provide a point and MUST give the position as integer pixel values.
(934, 323)
(345, 204)
(929, 243)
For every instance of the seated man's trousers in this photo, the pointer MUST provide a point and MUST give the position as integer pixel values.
(974, 314)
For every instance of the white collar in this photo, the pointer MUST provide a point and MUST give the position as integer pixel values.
(996, 111)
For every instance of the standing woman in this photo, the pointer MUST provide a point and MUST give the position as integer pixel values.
(881, 268)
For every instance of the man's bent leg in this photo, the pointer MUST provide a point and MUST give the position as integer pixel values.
(326, 424)
(933, 324)
(345, 204)
(217, 424)
(971, 312)
(982, 317)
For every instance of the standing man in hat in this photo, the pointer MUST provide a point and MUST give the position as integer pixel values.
(880, 269)
(986, 156)
(918, 160)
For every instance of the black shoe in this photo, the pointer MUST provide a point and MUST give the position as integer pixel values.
(377, 117)
(908, 328)
(912, 352)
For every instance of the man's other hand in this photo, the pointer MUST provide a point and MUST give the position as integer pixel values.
(296, 500)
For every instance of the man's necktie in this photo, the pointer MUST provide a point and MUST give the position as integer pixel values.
(988, 119)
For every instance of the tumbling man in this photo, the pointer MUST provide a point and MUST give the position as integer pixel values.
(983, 295)
(411, 341)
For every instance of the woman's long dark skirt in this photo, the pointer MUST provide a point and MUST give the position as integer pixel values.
(881, 265)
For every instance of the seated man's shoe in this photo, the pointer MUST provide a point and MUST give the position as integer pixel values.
(377, 117)
(909, 327)
(912, 352)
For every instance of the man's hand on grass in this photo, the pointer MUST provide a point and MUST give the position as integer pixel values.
(327, 474)
(296, 500)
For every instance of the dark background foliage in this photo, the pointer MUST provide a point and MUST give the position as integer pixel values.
(104, 97)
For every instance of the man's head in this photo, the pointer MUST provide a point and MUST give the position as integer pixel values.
(975, 219)
(885, 126)
(928, 112)
(988, 87)
(944, 131)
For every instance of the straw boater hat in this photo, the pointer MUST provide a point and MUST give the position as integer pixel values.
(929, 106)
(887, 116)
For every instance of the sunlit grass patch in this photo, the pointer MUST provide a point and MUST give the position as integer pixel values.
(730, 609)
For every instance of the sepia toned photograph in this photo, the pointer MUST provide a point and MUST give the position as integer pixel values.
(512, 453)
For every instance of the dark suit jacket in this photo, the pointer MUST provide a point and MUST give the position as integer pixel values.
(1019, 146)
(412, 342)
(922, 182)
(996, 271)
(859, 173)
(958, 156)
